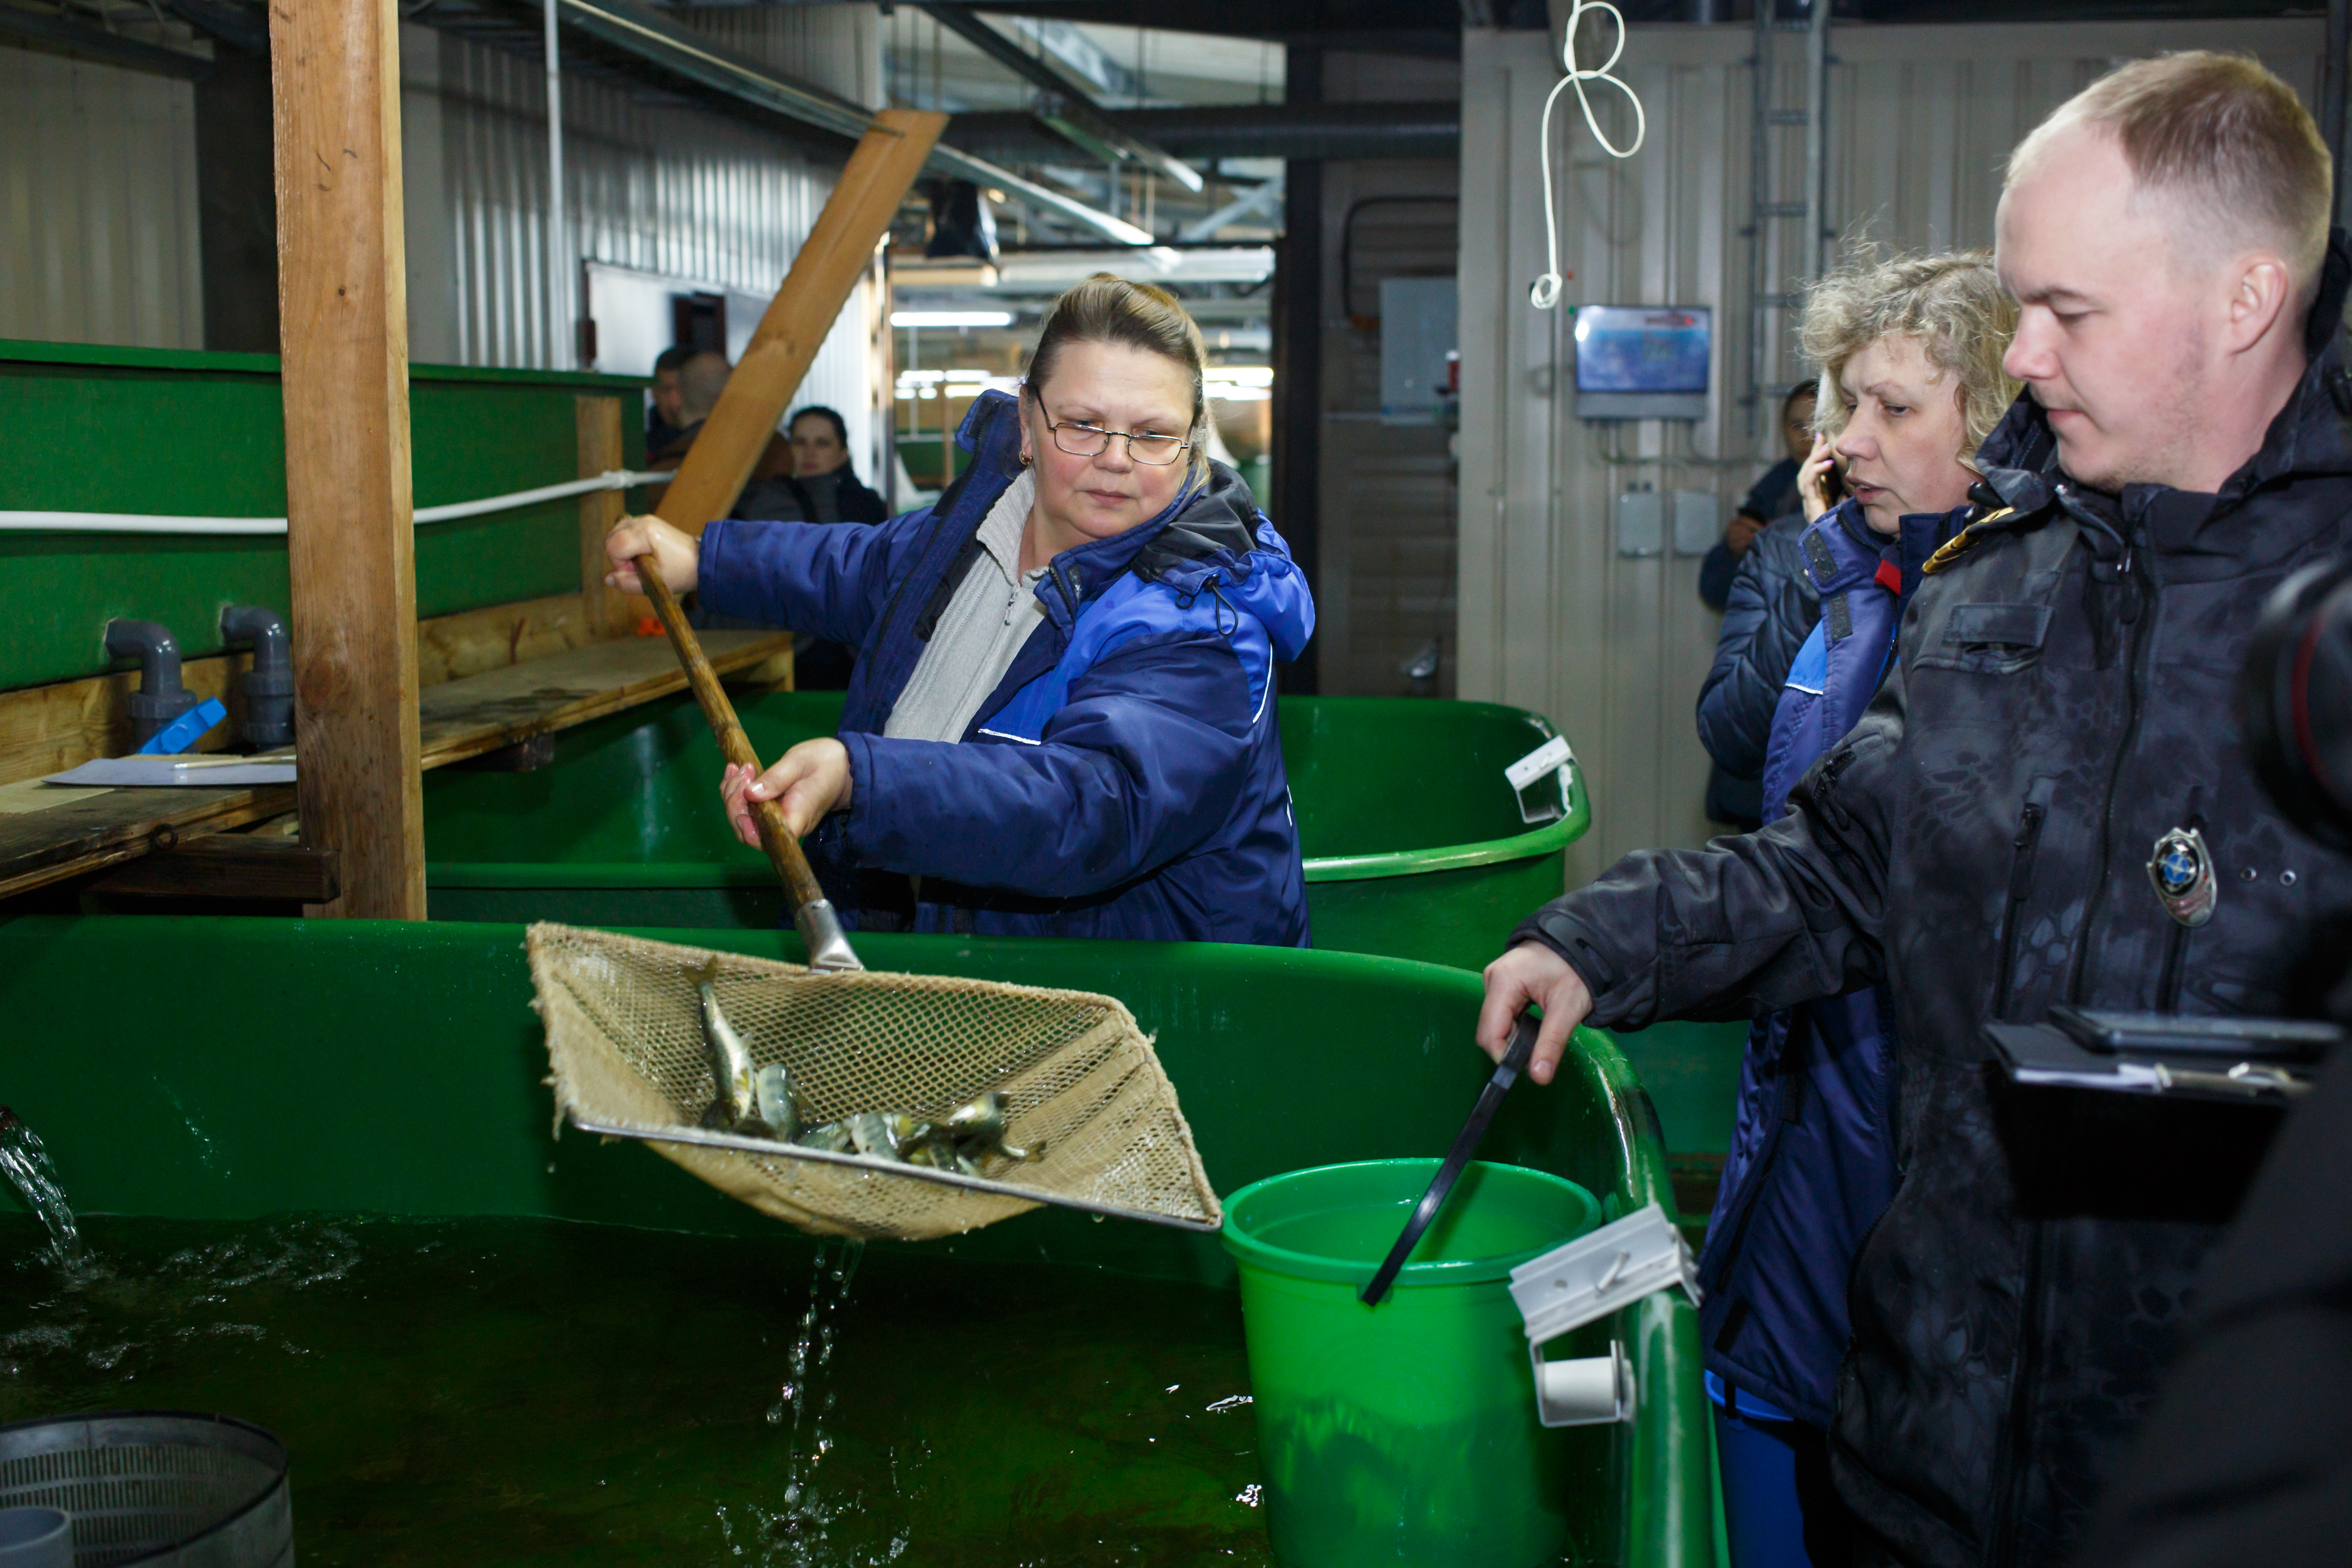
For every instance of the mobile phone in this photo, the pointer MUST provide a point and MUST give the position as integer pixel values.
(2161, 1034)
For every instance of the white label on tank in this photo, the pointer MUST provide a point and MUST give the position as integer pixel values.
(1538, 762)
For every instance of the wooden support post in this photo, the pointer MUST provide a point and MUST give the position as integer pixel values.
(838, 250)
(351, 541)
(610, 612)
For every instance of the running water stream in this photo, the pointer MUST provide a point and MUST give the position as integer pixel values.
(27, 1166)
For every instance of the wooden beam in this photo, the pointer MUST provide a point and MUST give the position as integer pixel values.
(228, 865)
(451, 647)
(43, 841)
(611, 612)
(837, 252)
(86, 834)
(500, 707)
(351, 539)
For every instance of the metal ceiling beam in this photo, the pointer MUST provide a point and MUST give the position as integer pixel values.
(1064, 107)
(246, 29)
(98, 44)
(1302, 131)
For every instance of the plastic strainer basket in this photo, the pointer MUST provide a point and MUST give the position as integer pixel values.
(1085, 1091)
(155, 1487)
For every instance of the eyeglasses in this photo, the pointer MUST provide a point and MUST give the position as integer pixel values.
(1093, 441)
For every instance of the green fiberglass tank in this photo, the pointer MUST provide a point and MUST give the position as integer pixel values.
(394, 1071)
(1417, 844)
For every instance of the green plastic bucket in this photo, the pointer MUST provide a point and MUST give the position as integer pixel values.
(625, 827)
(1403, 1433)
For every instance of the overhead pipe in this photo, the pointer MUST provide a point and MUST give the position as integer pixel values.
(1300, 130)
(562, 331)
(1817, 130)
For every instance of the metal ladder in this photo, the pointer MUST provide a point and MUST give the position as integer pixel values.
(1772, 294)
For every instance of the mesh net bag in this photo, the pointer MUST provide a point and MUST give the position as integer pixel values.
(1086, 1096)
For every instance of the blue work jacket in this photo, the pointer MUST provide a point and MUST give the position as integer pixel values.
(1124, 779)
(1812, 1161)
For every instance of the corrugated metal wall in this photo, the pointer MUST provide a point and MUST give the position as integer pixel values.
(99, 240)
(1550, 616)
(98, 228)
(668, 190)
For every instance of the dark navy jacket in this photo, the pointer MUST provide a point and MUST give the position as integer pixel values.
(1125, 779)
(1812, 1161)
(1771, 608)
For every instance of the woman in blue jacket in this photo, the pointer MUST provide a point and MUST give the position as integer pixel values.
(1061, 721)
(1911, 355)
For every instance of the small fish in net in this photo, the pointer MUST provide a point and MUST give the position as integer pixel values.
(979, 1074)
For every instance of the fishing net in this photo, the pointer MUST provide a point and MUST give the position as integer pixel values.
(1087, 1098)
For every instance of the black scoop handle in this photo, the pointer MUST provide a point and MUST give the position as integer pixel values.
(1465, 1145)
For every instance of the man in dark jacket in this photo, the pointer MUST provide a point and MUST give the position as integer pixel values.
(2047, 803)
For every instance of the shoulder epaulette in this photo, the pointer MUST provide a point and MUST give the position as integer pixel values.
(1967, 539)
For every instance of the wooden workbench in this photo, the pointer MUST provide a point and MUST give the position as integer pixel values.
(456, 720)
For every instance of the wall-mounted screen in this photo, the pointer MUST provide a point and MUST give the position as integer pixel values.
(1642, 362)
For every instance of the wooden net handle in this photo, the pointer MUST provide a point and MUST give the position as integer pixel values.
(784, 849)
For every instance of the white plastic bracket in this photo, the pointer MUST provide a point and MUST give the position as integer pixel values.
(1583, 1282)
(1553, 759)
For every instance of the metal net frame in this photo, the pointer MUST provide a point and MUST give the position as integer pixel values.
(1086, 1096)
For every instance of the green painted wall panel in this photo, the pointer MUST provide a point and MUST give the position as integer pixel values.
(204, 435)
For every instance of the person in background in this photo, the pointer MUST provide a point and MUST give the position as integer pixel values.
(701, 381)
(2047, 802)
(1768, 610)
(1910, 349)
(823, 487)
(662, 422)
(1771, 498)
(1063, 720)
(701, 378)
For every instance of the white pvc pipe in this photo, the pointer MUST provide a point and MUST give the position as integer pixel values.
(144, 523)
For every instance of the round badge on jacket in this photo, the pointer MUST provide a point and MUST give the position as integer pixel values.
(2181, 869)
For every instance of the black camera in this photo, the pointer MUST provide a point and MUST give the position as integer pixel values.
(2295, 697)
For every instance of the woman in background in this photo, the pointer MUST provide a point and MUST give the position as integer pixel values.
(821, 488)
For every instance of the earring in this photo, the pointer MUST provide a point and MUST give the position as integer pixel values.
(1026, 460)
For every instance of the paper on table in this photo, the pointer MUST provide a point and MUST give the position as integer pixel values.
(169, 772)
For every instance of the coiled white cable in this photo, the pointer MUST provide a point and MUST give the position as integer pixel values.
(1544, 293)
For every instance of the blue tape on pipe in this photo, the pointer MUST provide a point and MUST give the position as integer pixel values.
(185, 730)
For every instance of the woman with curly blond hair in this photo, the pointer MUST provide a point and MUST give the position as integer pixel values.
(1910, 350)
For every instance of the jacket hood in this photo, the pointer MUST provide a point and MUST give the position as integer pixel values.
(1212, 540)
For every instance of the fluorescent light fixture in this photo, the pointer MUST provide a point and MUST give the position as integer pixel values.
(951, 318)
(1242, 375)
(1228, 391)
